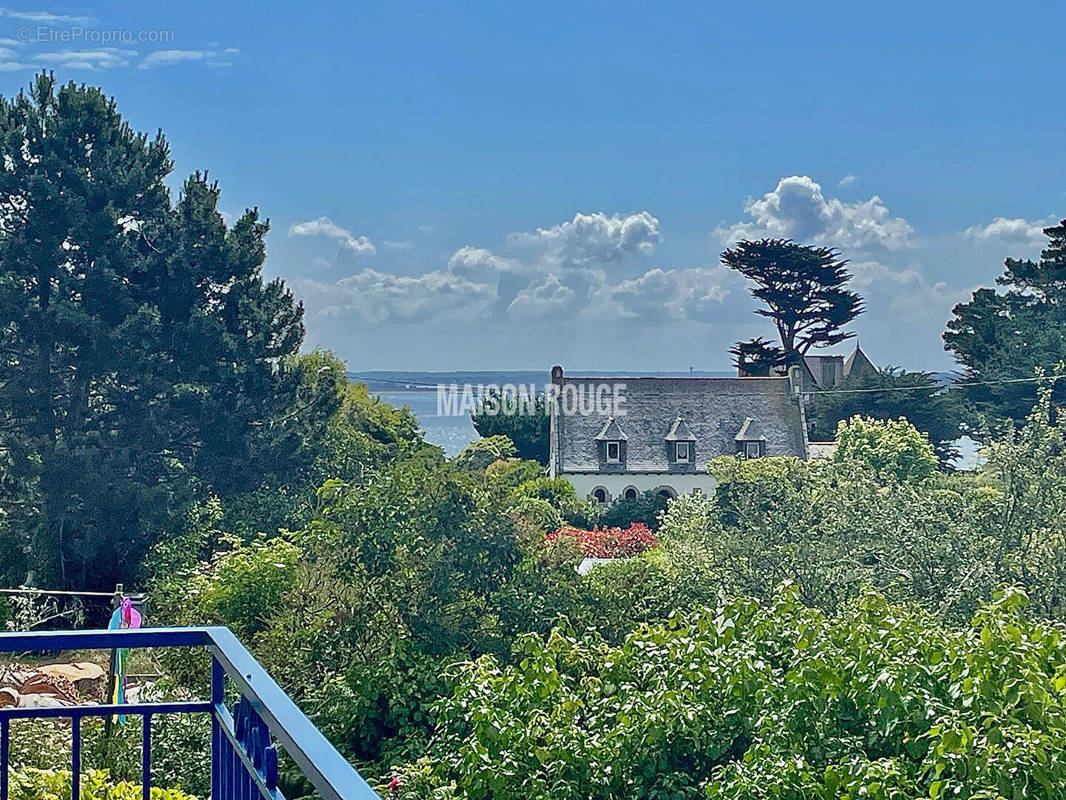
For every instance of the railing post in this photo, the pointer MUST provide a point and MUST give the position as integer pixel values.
(5, 734)
(218, 697)
(146, 757)
(75, 758)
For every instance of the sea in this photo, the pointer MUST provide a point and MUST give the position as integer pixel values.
(451, 432)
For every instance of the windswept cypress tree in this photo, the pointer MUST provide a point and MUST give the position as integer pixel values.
(142, 355)
(804, 293)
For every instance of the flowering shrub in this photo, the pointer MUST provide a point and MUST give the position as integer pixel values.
(607, 542)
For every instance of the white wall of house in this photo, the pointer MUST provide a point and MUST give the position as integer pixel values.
(585, 483)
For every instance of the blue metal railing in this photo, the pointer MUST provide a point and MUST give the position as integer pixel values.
(244, 741)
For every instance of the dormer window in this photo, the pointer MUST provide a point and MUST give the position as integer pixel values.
(611, 445)
(614, 452)
(681, 446)
(751, 442)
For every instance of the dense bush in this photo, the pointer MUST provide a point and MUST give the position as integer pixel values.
(762, 701)
(560, 493)
(481, 454)
(894, 449)
(871, 518)
(645, 508)
(382, 711)
(540, 512)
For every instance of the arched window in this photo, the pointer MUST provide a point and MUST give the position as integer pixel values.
(599, 494)
(667, 491)
(630, 493)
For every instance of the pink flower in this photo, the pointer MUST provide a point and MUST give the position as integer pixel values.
(607, 542)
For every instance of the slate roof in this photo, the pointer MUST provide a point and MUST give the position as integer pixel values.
(751, 431)
(826, 371)
(680, 432)
(713, 409)
(612, 432)
(859, 363)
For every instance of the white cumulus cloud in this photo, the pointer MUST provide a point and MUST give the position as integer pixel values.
(1010, 231)
(593, 238)
(693, 294)
(544, 298)
(477, 262)
(797, 209)
(324, 226)
(906, 292)
(376, 297)
(552, 274)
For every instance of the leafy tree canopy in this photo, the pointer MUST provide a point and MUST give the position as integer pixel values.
(892, 394)
(748, 701)
(757, 357)
(894, 449)
(1009, 334)
(525, 425)
(480, 454)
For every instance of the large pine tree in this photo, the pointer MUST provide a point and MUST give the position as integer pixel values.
(1001, 338)
(142, 355)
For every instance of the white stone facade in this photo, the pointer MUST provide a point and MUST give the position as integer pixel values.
(586, 483)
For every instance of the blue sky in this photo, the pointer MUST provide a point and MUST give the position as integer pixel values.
(489, 186)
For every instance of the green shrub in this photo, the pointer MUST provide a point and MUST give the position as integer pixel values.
(542, 513)
(646, 508)
(480, 454)
(383, 712)
(242, 586)
(894, 449)
(749, 702)
(51, 784)
(510, 473)
(560, 493)
(557, 491)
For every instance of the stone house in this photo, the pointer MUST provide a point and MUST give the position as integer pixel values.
(615, 438)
